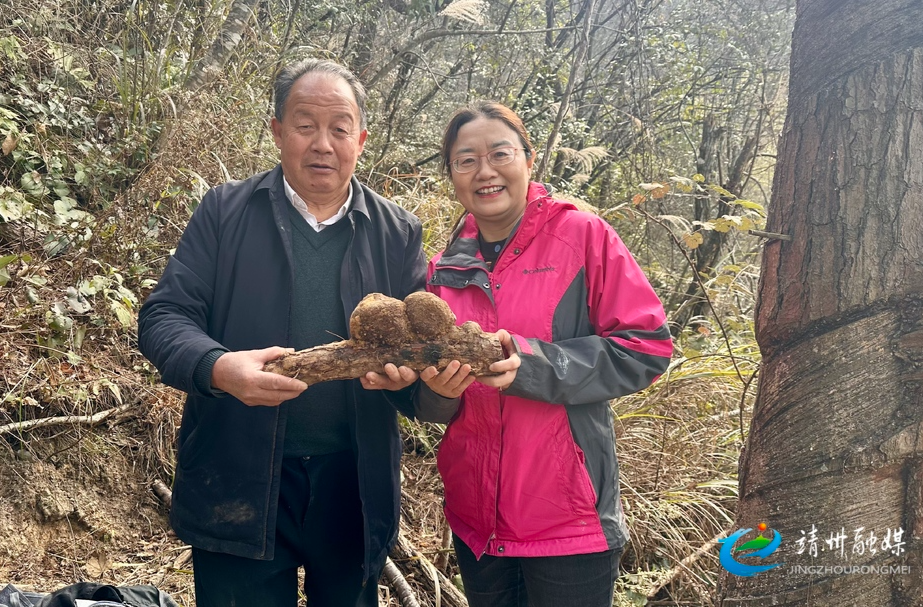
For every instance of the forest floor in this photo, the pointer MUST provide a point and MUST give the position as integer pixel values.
(77, 505)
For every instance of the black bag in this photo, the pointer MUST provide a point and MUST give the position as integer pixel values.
(11, 596)
(106, 595)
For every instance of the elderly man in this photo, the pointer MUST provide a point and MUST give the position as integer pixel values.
(273, 475)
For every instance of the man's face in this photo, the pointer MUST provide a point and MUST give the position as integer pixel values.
(320, 138)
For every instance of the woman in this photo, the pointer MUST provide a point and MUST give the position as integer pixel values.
(528, 458)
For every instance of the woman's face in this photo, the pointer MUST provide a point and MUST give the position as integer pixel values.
(495, 195)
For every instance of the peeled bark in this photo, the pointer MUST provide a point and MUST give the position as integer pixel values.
(418, 333)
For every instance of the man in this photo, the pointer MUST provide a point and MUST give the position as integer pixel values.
(272, 475)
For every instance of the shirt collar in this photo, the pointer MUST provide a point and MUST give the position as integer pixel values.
(302, 207)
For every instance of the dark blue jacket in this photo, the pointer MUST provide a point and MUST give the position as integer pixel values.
(229, 285)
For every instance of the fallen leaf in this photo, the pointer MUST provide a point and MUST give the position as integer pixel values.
(97, 564)
(9, 144)
(660, 192)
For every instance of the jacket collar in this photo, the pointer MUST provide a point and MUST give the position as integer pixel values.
(462, 251)
(272, 181)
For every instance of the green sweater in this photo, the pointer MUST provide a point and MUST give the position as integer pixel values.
(317, 421)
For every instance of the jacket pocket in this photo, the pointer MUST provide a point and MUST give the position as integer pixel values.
(191, 450)
(589, 490)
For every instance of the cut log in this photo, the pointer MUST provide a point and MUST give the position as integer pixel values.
(164, 493)
(418, 333)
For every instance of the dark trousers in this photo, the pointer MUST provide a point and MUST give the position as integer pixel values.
(319, 527)
(580, 580)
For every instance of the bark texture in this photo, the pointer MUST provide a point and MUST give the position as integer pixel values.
(835, 441)
(223, 45)
(418, 332)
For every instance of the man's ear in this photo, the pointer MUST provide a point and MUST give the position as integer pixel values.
(276, 131)
(362, 137)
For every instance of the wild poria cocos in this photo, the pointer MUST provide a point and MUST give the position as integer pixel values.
(418, 332)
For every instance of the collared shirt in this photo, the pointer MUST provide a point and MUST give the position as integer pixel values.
(302, 207)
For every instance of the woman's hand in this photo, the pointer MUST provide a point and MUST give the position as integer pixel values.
(507, 367)
(453, 380)
(394, 378)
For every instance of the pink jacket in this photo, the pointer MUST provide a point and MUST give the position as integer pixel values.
(532, 470)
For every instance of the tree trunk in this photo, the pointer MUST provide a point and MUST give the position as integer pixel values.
(210, 65)
(582, 36)
(835, 442)
(223, 45)
(705, 257)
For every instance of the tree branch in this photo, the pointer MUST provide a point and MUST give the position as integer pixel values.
(579, 56)
(401, 588)
(82, 420)
(444, 33)
(684, 564)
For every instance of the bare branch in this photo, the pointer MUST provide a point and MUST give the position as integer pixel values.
(81, 420)
(444, 33)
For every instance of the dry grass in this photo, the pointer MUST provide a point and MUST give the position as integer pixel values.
(679, 443)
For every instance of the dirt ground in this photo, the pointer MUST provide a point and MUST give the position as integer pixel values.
(80, 512)
(76, 505)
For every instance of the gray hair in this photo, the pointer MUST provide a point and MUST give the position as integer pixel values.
(290, 74)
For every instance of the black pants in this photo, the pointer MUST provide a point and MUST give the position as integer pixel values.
(319, 526)
(584, 580)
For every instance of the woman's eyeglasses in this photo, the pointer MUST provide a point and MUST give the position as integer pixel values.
(496, 158)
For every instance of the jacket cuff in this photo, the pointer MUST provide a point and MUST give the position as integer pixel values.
(432, 407)
(526, 369)
(402, 400)
(202, 377)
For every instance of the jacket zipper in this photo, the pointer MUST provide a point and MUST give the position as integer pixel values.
(493, 533)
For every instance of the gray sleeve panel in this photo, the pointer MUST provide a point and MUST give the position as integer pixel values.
(571, 316)
(662, 333)
(592, 428)
(431, 407)
(583, 370)
(579, 366)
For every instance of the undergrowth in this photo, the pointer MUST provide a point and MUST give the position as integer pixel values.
(92, 202)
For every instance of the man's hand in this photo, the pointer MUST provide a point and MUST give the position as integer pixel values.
(395, 378)
(241, 374)
(453, 380)
(507, 367)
